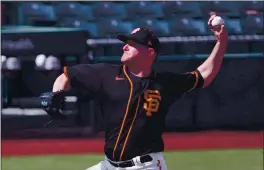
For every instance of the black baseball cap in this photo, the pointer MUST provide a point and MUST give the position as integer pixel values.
(142, 36)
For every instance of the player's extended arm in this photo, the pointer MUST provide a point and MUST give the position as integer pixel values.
(212, 64)
(61, 83)
(52, 102)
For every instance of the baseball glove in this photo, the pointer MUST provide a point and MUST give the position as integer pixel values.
(52, 103)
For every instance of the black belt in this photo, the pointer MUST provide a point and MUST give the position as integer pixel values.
(129, 163)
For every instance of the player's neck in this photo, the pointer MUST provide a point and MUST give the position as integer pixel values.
(140, 71)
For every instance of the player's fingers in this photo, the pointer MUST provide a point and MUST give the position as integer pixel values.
(211, 19)
(210, 22)
(222, 29)
(217, 35)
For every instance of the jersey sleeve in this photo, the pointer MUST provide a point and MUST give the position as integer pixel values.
(186, 82)
(84, 77)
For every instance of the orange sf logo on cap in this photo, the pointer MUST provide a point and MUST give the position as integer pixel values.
(135, 30)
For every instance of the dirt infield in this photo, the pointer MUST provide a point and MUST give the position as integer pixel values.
(173, 141)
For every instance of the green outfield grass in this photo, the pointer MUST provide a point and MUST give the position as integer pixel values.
(184, 160)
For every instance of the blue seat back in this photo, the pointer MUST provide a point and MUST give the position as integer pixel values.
(111, 28)
(91, 27)
(73, 9)
(181, 9)
(160, 28)
(143, 9)
(30, 11)
(108, 10)
(253, 24)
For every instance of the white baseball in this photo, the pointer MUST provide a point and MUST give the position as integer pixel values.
(217, 21)
(3, 58)
(12, 63)
(40, 60)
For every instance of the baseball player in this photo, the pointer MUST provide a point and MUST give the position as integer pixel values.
(134, 98)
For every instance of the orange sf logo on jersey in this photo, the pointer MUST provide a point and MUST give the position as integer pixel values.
(153, 99)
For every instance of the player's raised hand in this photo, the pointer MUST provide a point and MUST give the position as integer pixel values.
(216, 24)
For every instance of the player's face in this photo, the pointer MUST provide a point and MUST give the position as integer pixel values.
(134, 52)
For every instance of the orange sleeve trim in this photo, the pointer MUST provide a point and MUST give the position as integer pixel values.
(127, 109)
(196, 79)
(65, 71)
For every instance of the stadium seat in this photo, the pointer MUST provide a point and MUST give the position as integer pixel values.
(223, 8)
(79, 23)
(52, 63)
(108, 10)
(253, 5)
(73, 9)
(111, 28)
(3, 62)
(160, 28)
(185, 27)
(253, 24)
(143, 9)
(30, 11)
(201, 26)
(181, 9)
(233, 26)
(40, 61)
(13, 63)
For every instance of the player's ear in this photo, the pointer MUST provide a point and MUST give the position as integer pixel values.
(152, 51)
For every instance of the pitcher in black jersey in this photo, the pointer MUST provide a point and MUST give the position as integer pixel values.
(135, 99)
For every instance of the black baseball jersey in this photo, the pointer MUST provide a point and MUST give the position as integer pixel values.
(133, 108)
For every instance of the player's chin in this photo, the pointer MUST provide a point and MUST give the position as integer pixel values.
(124, 59)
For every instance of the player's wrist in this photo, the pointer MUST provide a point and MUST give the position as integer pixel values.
(61, 83)
(222, 40)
